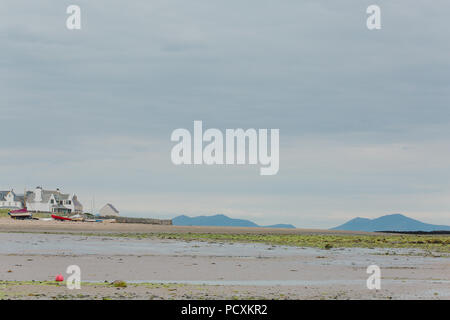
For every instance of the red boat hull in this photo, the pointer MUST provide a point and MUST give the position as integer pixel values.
(60, 218)
(24, 210)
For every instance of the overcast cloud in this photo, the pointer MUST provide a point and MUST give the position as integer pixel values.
(363, 115)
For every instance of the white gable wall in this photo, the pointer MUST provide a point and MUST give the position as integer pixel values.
(10, 202)
(108, 211)
(71, 203)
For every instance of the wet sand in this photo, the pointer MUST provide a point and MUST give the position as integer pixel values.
(171, 269)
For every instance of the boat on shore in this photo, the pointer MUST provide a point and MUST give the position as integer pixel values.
(20, 214)
(60, 218)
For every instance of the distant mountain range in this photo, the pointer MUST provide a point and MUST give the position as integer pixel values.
(391, 222)
(220, 220)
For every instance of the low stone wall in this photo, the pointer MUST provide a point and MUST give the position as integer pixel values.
(138, 220)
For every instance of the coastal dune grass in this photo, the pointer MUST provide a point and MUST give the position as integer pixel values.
(4, 213)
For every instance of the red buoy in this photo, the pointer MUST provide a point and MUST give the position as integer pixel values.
(59, 278)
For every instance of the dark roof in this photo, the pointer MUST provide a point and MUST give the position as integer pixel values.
(46, 194)
(3, 194)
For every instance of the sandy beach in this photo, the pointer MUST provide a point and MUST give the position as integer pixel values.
(7, 224)
(174, 269)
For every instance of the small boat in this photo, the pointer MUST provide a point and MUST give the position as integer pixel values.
(21, 214)
(109, 221)
(77, 217)
(61, 218)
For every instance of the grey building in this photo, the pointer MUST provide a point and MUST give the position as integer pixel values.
(109, 210)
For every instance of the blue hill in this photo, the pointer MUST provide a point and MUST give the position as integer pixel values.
(220, 220)
(392, 222)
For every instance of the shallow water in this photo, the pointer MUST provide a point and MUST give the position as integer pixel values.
(57, 244)
(54, 244)
(32, 256)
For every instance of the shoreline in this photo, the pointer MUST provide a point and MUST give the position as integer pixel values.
(184, 265)
(306, 274)
(8, 224)
(315, 238)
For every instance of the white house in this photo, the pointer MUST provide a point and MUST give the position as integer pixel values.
(41, 200)
(9, 200)
(109, 210)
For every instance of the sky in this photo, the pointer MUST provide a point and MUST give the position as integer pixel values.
(363, 115)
